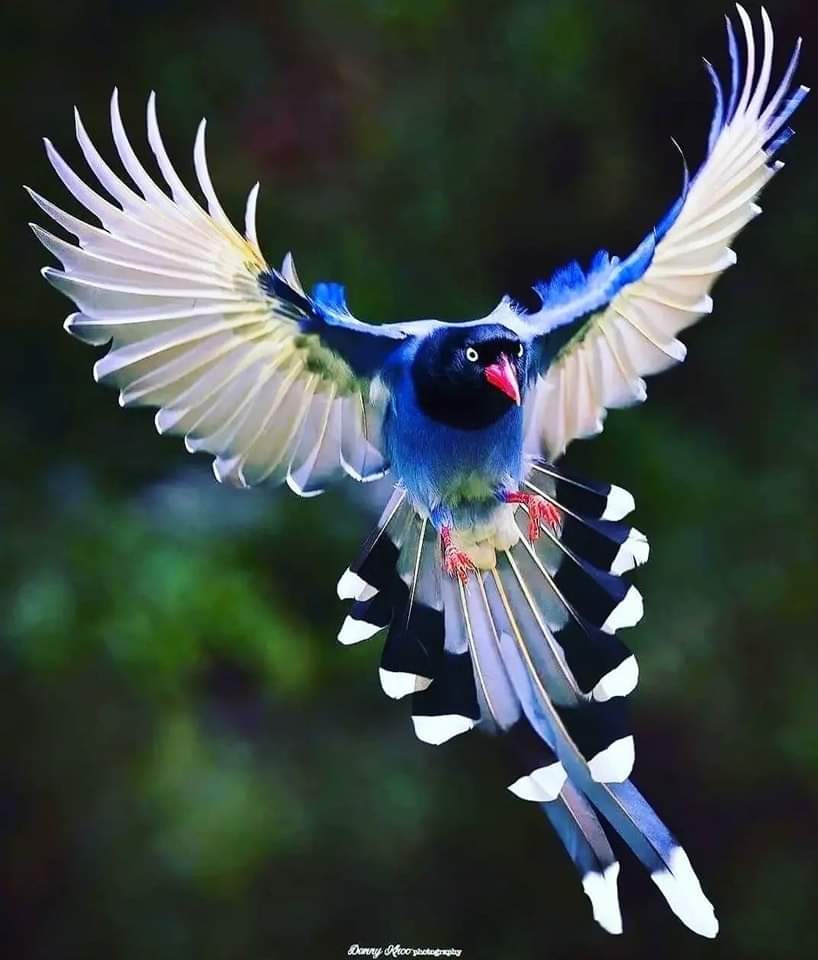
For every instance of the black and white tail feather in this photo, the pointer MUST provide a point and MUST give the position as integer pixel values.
(529, 651)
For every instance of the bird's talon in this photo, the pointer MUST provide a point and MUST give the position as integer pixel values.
(456, 563)
(540, 513)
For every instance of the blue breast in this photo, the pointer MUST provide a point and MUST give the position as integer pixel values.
(442, 465)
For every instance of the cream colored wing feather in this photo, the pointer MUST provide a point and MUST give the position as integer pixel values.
(609, 353)
(178, 293)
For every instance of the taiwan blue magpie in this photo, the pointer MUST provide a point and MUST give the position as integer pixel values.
(501, 580)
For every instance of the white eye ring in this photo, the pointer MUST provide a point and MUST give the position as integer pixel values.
(520, 350)
(472, 354)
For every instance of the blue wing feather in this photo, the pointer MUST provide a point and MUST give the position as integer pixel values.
(364, 347)
(572, 295)
(735, 62)
(330, 296)
(718, 113)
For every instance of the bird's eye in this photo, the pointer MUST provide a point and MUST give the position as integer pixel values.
(520, 350)
(471, 354)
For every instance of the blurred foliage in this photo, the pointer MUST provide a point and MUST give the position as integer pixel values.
(191, 766)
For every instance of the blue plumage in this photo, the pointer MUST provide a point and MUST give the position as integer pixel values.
(453, 439)
(330, 297)
(735, 62)
(718, 112)
(568, 280)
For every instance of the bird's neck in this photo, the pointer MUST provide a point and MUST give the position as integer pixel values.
(444, 403)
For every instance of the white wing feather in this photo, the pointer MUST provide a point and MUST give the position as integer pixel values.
(175, 290)
(636, 334)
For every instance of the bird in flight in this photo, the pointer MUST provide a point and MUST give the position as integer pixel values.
(501, 579)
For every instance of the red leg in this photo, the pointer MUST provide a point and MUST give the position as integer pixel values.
(455, 562)
(539, 510)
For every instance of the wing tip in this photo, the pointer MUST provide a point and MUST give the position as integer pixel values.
(52, 275)
(300, 491)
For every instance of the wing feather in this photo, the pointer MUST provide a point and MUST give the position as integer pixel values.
(656, 296)
(237, 358)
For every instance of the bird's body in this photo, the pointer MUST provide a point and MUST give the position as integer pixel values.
(453, 454)
(502, 580)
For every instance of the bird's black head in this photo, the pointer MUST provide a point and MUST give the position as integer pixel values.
(469, 377)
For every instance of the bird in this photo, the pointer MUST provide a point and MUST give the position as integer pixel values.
(499, 579)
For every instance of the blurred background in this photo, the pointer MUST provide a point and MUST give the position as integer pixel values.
(191, 766)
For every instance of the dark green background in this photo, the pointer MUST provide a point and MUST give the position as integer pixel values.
(191, 766)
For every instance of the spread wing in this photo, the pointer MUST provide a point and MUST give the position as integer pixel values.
(244, 365)
(599, 333)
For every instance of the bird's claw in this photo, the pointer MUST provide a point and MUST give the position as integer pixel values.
(456, 563)
(540, 513)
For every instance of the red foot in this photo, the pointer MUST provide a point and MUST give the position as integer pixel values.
(540, 511)
(455, 562)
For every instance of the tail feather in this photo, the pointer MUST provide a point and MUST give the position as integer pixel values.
(606, 600)
(374, 569)
(636, 822)
(609, 545)
(366, 618)
(539, 774)
(602, 733)
(569, 812)
(592, 515)
(580, 731)
(413, 645)
(584, 839)
(603, 501)
(450, 706)
(599, 731)
(528, 649)
(415, 640)
(499, 704)
(583, 608)
(601, 664)
(525, 611)
(620, 802)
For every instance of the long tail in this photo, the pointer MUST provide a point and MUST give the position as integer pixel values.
(529, 651)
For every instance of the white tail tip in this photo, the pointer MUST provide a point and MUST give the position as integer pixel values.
(684, 895)
(601, 890)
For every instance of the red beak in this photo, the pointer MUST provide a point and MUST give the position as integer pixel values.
(502, 376)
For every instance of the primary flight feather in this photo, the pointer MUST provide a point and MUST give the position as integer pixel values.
(500, 579)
